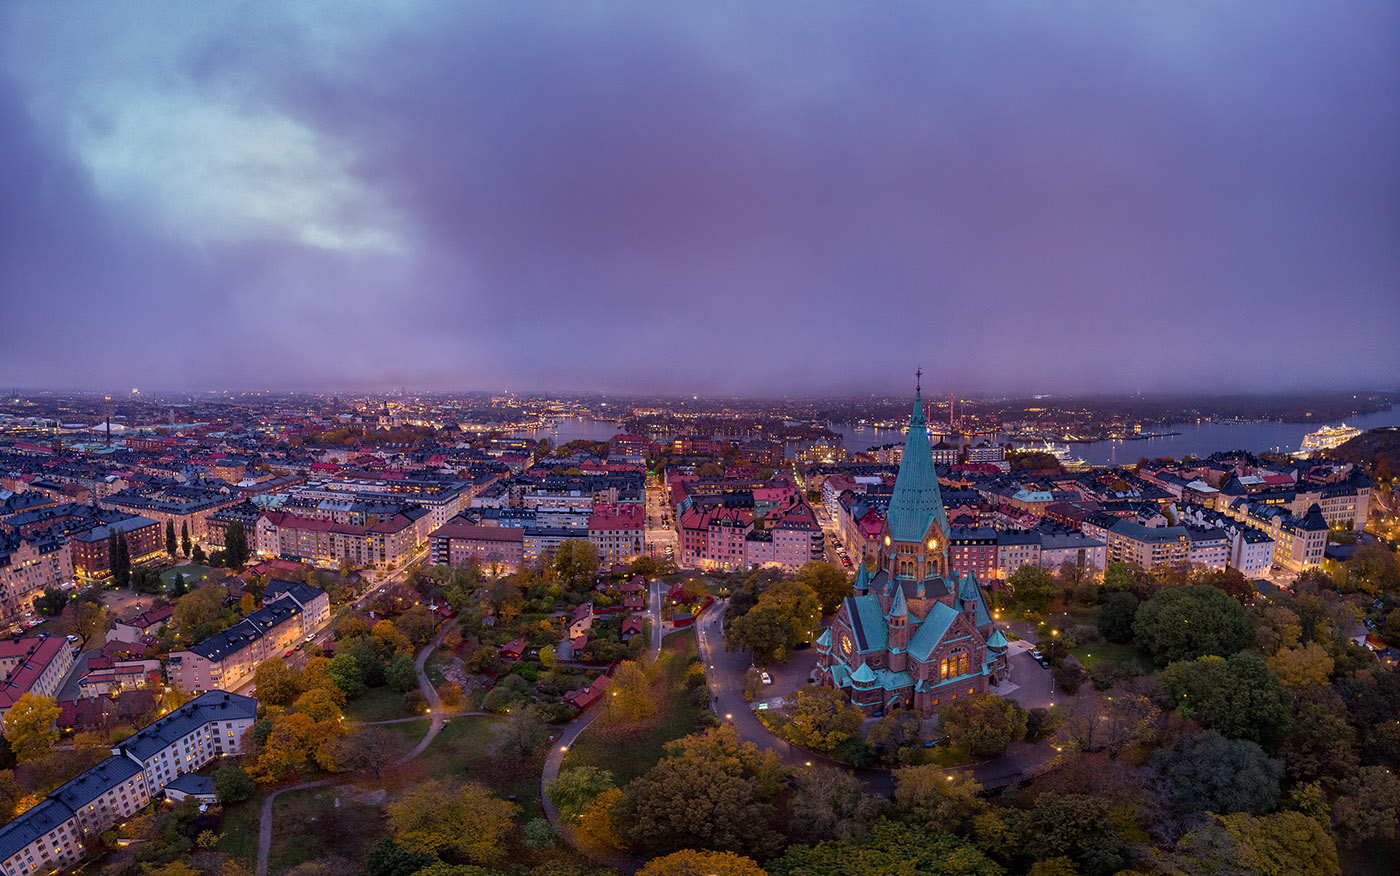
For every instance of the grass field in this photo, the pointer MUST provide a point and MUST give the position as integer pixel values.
(376, 704)
(1091, 654)
(194, 575)
(626, 750)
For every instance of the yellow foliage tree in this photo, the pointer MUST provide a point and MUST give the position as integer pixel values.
(319, 703)
(629, 695)
(689, 862)
(1302, 666)
(443, 816)
(29, 725)
(597, 823)
(276, 683)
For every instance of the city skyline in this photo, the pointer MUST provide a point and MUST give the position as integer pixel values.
(634, 199)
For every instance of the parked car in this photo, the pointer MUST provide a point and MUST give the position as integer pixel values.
(767, 679)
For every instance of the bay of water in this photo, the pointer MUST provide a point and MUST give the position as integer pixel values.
(1196, 439)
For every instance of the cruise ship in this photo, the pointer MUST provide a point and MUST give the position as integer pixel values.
(1329, 436)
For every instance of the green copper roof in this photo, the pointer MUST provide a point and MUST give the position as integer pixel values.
(863, 675)
(862, 583)
(900, 608)
(916, 501)
(997, 642)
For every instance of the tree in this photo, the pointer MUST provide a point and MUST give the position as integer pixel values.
(1231, 580)
(629, 694)
(823, 719)
(121, 573)
(344, 672)
(1302, 666)
(576, 561)
(934, 797)
(439, 817)
(86, 618)
(233, 785)
(203, 607)
(185, 542)
(1282, 844)
(983, 724)
(831, 803)
(170, 544)
(247, 604)
(114, 551)
(321, 703)
(889, 847)
(786, 614)
(370, 750)
(1077, 826)
(1033, 587)
(51, 603)
(1110, 723)
(575, 789)
(289, 746)
(236, 545)
(897, 739)
(402, 673)
(1373, 568)
(1205, 772)
(827, 581)
(1182, 623)
(689, 862)
(388, 858)
(597, 823)
(709, 791)
(1240, 697)
(1369, 809)
(1115, 620)
(198, 555)
(29, 726)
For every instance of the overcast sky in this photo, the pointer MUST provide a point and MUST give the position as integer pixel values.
(701, 197)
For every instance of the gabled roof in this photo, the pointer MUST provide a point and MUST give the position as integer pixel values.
(935, 626)
(916, 501)
(867, 622)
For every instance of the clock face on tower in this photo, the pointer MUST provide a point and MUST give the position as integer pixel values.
(845, 644)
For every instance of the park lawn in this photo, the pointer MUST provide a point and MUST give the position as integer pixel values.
(1091, 654)
(239, 827)
(463, 751)
(376, 704)
(193, 572)
(628, 751)
(307, 825)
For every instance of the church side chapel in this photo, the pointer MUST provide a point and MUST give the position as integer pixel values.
(914, 635)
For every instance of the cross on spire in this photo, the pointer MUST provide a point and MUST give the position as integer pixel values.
(919, 379)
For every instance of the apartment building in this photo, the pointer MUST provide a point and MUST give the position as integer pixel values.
(389, 543)
(1148, 546)
(460, 543)
(225, 661)
(53, 834)
(27, 567)
(33, 664)
(618, 532)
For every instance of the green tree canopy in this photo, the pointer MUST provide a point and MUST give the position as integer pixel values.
(1033, 587)
(1238, 696)
(1182, 623)
(1205, 772)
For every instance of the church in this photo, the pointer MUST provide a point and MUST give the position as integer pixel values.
(914, 634)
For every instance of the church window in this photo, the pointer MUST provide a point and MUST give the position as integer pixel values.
(962, 665)
(943, 670)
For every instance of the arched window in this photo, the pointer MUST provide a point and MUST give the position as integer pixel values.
(943, 670)
(962, 665)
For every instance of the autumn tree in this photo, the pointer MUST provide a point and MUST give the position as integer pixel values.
(629, 696)
(29, 726)
(200, 613)
(888, 847)
(710, 791)
(1110, 723)
(827, 581)
(1303, 665)
(276, 683)
(689, 862)
(1369, 809)
(983, 724)
(444, 816)
(823, 719)
(597, 823)
(1282, 844)
(369, 750)
(831, 803)
(897, 738)
(934, 797)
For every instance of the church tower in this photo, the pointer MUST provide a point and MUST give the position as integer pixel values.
(914, 541)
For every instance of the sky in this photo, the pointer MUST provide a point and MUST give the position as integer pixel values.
(786, 197)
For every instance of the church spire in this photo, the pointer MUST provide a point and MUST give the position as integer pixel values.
(916, 501)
